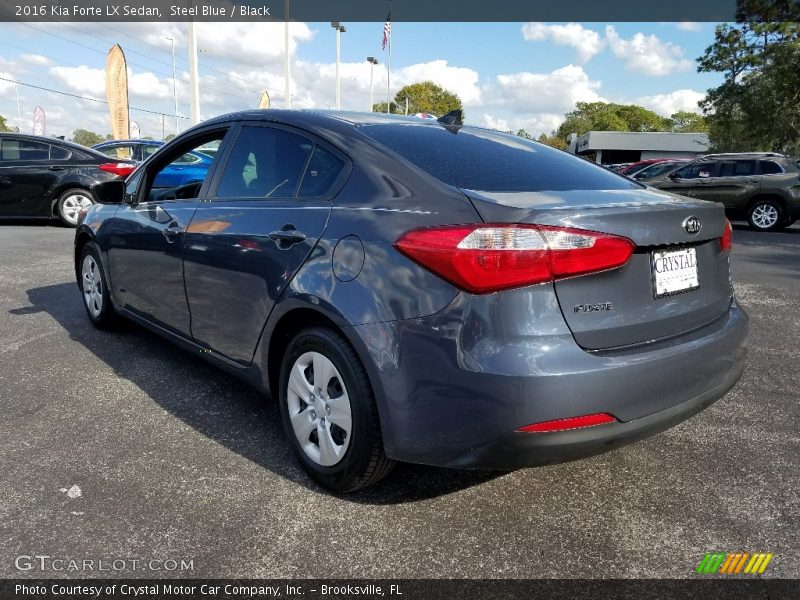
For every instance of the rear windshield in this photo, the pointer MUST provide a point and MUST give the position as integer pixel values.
(476, 159)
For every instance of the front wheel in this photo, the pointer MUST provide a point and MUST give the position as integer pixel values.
(765, 215)
(329, 413)
(94, 289)
(70, 204)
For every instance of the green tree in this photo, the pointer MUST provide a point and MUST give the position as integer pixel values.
(380, 107)
(4, 125)
(86, 137)
(169, 137)
(684, 121)
(524, 134)
(423, 97)
(757, 107)
(607, 116)
(553, 140)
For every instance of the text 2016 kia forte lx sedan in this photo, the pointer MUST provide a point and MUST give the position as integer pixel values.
(417, 290)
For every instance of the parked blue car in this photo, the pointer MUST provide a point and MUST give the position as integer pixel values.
(189, 168)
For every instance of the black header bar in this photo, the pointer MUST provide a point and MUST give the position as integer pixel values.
(367, 10)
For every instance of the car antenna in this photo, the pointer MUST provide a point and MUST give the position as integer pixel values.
(452, 121)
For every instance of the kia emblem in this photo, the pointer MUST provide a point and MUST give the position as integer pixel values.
(692, 225)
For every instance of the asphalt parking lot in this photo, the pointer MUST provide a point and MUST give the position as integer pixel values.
(120, 446)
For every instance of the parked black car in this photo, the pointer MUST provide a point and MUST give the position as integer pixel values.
(416, 290)
(49, 178)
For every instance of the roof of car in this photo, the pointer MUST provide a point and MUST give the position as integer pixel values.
(45, 139)
(745, 155)
(300, 116)
(150, 142)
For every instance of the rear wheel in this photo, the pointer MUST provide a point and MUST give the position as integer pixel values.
(329, 413)
(70, 204)
(765, 215)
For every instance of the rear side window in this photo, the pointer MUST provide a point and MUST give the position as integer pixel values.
(737, 168)
(264, 163)
(58, 153)
(323, 170)
(770, 167)
(481, 160)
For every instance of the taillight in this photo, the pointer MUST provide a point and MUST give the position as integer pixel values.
(122, 169)
(488, 258)
(567, 424)
(726, 241)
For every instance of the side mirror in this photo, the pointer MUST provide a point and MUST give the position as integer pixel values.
(109, 192)
(674, 176)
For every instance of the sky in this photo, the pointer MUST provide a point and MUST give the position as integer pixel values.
(508, 75)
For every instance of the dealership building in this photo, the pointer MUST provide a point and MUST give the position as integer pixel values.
(613, 147)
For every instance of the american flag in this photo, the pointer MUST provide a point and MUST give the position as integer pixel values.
(387, 31)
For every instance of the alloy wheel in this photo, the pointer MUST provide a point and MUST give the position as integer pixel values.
(765, 216)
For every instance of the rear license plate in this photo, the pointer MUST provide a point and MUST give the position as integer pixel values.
(674, 271)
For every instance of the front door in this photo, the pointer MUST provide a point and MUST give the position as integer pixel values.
(146, 256)
(690, 180)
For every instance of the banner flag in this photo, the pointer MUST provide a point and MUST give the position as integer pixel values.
(117, 93)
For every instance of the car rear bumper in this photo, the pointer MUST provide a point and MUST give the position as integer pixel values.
(519, 449)
(449, 396)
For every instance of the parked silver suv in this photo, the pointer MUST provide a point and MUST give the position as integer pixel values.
(762, 187)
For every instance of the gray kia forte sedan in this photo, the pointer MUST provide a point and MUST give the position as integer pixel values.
(422, 291)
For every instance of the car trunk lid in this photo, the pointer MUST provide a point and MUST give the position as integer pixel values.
(622, 307)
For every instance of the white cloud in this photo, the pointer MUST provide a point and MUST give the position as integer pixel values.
(647, 54)
(586, 42)
(36, 60)
(89, 81)
(555, 92)
(460, 80)
(669, 104)
(490, 122)
(689, 26)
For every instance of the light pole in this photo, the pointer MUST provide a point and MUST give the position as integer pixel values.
(372, 62)
(286, 52)
(174, 84)
(340, 29)
(194, 84)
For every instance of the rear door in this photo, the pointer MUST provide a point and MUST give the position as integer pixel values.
(732, 184)
(270, 204)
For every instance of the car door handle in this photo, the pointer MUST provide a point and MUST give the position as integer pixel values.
(751, 181)
(172, 231)
(287, 236)
(55, 168)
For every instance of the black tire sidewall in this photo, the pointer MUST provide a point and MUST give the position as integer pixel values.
(107, 313)
(345, 474)
(779, 224)
(64, 195)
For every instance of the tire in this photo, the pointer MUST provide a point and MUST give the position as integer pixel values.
(70, 204)
(342, 452)
(766, 215)
(94, 289)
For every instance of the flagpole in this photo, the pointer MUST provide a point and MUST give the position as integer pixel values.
(389, 64)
